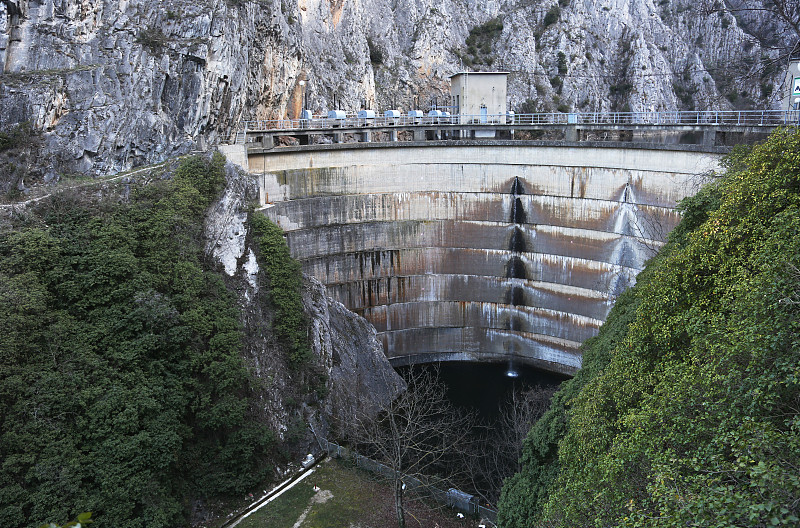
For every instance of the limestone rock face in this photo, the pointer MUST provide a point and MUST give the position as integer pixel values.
(345, 345)
(361, 380)
(118, 83)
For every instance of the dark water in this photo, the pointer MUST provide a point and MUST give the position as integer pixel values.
(486, 387)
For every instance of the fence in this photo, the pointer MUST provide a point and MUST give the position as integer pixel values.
(675, 118)
(452, 497)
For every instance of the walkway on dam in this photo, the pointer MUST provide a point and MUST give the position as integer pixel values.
(705, 127)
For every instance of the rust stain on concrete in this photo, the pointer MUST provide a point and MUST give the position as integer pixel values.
(477, 259)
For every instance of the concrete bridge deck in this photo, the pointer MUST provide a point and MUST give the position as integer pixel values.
(478, 250)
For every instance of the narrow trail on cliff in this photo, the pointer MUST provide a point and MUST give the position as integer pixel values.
(81, 185)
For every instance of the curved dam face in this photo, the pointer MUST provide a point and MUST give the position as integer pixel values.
(478, 252)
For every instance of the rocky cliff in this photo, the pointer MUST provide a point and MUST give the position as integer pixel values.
(346, 349)
(118, 83)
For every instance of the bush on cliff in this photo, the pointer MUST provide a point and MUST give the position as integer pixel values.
(122, 388)
(284, 279)
(687, 414)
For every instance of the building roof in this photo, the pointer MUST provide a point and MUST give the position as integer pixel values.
(480, 73)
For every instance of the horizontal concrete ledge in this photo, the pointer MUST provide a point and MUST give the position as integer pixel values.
(456, 143)
(479, 344)
(499, 232)
(539, 322)
(548, 317)
(475, 208)
(620, 249)
(378, 300)
(481, 269)
(442, 357)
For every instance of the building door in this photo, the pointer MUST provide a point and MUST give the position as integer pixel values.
(484, 114)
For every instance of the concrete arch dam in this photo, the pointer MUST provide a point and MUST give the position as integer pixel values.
(478, 252)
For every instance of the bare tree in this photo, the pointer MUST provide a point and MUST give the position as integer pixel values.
(524, 409)
(416, 436)
(495, 455)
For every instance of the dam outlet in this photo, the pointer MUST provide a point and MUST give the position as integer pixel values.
(484, 252)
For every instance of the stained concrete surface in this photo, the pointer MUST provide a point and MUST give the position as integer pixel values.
(479, 252)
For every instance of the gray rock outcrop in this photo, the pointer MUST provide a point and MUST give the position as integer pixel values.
(345, 345)
(118, 83)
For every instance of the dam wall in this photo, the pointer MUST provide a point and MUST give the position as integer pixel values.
(478, 252)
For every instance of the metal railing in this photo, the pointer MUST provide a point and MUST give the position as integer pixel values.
(696, 117)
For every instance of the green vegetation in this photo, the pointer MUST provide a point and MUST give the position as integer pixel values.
(122, 388)
(684, 95)
(528, 106)
(17, 147)
(284, 511)
(552, 16)
(284, 281)
(81, 520)
(479, 43)
(16, 137)
(620, 90)
(152, 38)
(562, 63)
(686, 410)
(348, 496)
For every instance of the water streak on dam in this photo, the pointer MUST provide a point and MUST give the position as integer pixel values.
(479, 252)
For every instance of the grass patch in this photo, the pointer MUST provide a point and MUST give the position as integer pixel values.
(348, 496)
(284, 511)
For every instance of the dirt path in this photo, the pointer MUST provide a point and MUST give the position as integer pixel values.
(321, 497)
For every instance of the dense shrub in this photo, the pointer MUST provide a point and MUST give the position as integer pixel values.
(689, 415)
(122, 389)
(16, 137)
(552, 16)
(480, 40)
(284, 281)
